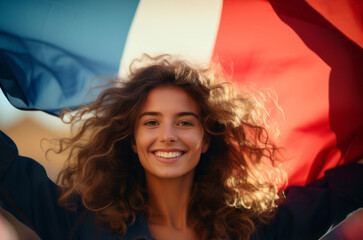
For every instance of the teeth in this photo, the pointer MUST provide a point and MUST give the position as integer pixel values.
(168, 154)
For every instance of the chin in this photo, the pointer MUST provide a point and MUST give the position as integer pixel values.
(173, 174)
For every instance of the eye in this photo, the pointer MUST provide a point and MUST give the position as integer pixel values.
(151, 123)
(185, 124)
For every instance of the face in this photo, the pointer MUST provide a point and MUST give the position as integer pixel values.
(169, 137)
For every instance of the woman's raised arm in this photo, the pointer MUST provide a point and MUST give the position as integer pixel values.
(29, 195)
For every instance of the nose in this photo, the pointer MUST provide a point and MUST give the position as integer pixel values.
(168, 134)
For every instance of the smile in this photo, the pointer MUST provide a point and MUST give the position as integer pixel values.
(173, 154)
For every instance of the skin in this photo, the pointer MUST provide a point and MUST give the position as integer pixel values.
(169, 140)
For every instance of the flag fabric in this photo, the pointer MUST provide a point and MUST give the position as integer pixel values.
(309, 52)
(50, 50)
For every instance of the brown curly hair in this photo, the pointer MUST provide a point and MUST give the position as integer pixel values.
(233, 189)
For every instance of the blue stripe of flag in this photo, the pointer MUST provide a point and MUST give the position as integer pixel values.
(50, 50)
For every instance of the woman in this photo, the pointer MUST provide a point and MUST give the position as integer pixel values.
(175, 152)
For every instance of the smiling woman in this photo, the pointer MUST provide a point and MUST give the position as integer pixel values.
(174, 152)
(169, 142)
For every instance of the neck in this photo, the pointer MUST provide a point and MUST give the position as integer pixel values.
(169, 199)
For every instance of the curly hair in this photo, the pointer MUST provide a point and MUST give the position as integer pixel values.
(233, 189)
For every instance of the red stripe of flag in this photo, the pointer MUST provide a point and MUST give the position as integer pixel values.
(296, 61)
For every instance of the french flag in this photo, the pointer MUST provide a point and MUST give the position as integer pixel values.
(309, 52)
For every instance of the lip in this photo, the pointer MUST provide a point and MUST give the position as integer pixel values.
(168, 160)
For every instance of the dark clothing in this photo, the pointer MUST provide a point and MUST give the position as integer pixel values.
(309, 212)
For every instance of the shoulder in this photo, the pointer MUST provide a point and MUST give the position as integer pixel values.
(310, 211)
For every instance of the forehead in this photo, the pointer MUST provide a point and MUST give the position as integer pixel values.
(170, 98)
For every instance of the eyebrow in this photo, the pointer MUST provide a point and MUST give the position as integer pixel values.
(159, 114)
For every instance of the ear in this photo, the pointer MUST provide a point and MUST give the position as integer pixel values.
(133, 146)
(206, 142)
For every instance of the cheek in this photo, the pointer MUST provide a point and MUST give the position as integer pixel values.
(143, 139)
(196, 141)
